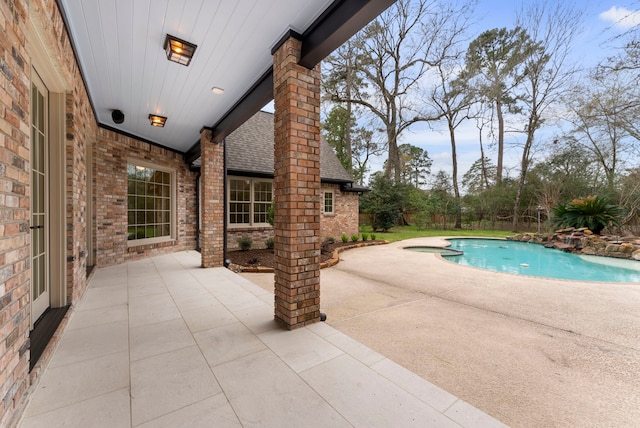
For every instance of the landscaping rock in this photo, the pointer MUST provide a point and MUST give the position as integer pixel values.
(584, 241)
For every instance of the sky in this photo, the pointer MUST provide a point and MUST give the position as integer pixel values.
(602, 21)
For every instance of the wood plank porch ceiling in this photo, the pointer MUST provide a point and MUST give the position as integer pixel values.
(119, 46)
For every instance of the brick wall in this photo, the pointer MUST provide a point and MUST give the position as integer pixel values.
(112, 153)
(344, 220)
(14, 206)
(80, 133)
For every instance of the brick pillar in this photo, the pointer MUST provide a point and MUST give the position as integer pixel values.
(212, 200)
(296, 188)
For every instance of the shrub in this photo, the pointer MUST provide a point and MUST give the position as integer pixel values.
(269, 243)
(244, 242)
(373, 236)
(344, 238)
(330, 240)
(354, 238)
(593, 212)
(271, 212)
(365, 236)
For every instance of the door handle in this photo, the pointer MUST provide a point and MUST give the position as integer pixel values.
(36, 227)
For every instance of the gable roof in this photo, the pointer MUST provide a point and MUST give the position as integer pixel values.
(250, 151)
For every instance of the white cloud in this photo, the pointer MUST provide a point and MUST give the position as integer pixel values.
(621, 17)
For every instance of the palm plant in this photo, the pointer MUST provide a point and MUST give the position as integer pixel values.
(593, 212)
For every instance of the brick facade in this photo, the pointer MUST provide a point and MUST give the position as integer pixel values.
(14, 206)
(344, 220)
(91, 188)
(296, 188)
(80, 140)
(112, 152)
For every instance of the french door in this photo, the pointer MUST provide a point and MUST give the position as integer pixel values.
(40, 300)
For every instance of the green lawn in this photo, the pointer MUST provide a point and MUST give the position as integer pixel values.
(406, 232)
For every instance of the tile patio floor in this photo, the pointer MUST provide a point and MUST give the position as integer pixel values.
(163, 343)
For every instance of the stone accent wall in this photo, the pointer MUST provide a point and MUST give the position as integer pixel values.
(212, 229)
(296, 188)
(112, 153)
(344, 220)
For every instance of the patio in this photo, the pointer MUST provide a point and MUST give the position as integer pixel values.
(162, 342)
(532, 352)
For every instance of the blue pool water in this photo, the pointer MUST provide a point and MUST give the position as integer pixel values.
(534, 260)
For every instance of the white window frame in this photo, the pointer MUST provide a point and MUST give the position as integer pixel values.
(333, 202)
(172, 204)
(251, 202)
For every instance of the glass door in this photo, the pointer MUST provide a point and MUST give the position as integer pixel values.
(39, 199)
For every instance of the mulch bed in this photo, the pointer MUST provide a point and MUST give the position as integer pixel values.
(264, 260)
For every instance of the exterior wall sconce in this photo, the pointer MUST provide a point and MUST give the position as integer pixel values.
(156, 120)
(178, 50)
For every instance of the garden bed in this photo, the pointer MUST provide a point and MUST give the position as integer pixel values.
(263, 260)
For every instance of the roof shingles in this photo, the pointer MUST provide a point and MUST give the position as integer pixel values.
(250, 151)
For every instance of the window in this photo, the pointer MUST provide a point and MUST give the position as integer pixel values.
(149, 204)
(327, 206)
(249, 201)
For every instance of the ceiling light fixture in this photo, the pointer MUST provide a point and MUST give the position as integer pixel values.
(178, 50)
(217, 91)
(156, 120)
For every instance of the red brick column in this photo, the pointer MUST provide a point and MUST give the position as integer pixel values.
(212, 199)
(296, 188)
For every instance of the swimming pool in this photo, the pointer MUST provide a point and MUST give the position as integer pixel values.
(535, 260)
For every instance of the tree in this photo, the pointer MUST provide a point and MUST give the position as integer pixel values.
(596, 118)
(479, 177)
(630, 196)
(551, 26)
(416, 165)
(440, 197)
(365, 146)
(393, 55)
(565, 174)
(335, 128)
(353, 145)
(342, 78)
(625, 66)
(494, 67)
(386, 202)
(453, 102)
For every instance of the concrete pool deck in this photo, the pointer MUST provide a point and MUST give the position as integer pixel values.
(528, 351)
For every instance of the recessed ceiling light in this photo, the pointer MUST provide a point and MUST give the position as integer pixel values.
(217, 91)
(156, 120)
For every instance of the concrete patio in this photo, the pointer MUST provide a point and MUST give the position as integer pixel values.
(532, 352)
(162, 342)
